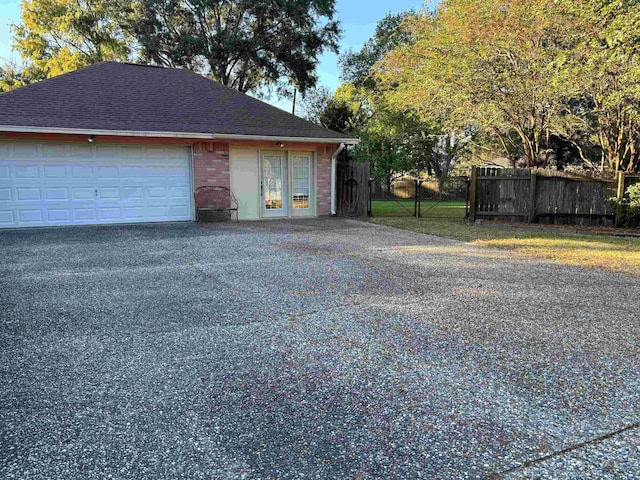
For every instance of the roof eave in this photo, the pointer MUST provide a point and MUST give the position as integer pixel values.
(184, 135)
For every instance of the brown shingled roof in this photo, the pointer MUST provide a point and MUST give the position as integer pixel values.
(137, 98)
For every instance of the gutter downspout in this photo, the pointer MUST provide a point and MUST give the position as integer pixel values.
(334, 158)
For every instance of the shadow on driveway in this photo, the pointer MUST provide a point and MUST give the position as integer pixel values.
(324, 348)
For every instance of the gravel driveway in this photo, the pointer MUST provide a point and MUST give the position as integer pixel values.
(329, 349)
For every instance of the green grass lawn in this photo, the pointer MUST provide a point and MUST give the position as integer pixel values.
(602, 251)
(405, 208)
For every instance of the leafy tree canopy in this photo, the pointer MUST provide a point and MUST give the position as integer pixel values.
(605, 70)
(528, 75)
(356, 67)
(58, 36)
(490, 63)
(244, 44)
(10, 78)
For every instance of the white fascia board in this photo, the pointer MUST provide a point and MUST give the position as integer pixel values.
(115, 133)
(348, 141)
(197, 136)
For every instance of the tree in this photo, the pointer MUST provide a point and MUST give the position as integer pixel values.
(58, 36)
(493, 64)
(334, 112)
(357, 67)
(396, 143)
(243, 44)
(10, 78)
(606, 72)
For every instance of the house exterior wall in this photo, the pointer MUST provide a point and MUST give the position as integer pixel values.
(323, 180)
(245, 181)
(211, 164)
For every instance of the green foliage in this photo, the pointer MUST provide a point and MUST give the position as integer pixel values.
(532, 77)
(631, 202)
(336, 112)
(243, 44)
(605, 68)
(357, 67)
(488, 63)
(633, 195)
(58, 36)
(11, 78)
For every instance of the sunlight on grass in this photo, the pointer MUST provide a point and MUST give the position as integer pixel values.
(616, 254)
(584, 253)
(405, 208)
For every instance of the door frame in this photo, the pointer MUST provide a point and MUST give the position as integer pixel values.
(289, 211)
(285, 210)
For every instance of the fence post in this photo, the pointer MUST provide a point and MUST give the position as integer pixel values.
(473, 185)
(620, 198)
(532, 197)
(369, 202)
(419, 199)
(415, 200)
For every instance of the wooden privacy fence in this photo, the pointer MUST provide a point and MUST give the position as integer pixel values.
(544, 196)
(352, 187)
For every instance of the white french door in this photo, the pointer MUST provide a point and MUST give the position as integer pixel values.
(301, 185)
(287, 184)
(275, 193)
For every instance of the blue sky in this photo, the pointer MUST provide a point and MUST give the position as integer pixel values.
(358, 20)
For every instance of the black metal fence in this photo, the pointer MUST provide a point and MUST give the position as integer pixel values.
(418, 198)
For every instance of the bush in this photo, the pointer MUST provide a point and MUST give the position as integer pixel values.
(631, 206)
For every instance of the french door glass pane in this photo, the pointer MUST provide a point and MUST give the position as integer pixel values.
(272, 176)
(301, 173)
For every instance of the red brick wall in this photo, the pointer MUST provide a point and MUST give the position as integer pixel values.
(324, 180)
(211, 164)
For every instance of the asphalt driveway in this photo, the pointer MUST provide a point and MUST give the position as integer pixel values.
(329, 349)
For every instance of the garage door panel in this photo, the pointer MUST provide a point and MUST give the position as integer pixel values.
(82, 171)
(30, 216)
(55, 194)
(58, 215)
(113, 213)
(157, 212)
(133, 152)
(54, 171)
(107, 173)
(24, 151)
(179, 210)
(51, 150)
(7, 218)
(80, 151)
(28, 194)
(83, 193)
(107, 151)
(133, 213)
(84, 214)
(26, 171)
(132, 193)
(112, 193)
(132, 172)
(179, 192)
(57, 184)
(156, 192)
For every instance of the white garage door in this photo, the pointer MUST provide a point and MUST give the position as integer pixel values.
(48, 184)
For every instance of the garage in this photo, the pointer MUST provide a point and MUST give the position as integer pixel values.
(124, 143)
(50, 184)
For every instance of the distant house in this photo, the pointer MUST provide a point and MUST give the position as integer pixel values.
(124, 143)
